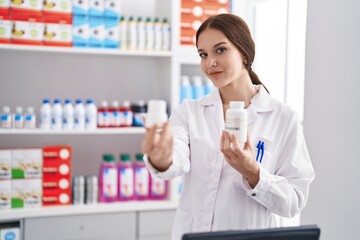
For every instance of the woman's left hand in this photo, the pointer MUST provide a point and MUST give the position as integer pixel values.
(242, 160)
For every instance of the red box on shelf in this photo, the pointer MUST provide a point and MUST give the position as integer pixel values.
(53, 197)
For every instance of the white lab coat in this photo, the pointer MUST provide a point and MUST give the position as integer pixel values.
(214, 195)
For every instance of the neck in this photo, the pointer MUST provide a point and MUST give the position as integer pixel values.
(238, 91)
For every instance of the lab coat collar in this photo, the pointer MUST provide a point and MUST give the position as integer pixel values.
(262, 101)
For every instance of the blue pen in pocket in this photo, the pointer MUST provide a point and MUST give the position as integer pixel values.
(260, 151)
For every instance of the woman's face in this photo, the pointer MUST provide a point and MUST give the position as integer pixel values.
(221, 61)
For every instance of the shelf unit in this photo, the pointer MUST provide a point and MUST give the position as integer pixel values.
(105, 131)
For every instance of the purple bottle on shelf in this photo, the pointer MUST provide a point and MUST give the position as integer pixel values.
(158, 188)
(108, 179)
(142, 179)
(125, 178)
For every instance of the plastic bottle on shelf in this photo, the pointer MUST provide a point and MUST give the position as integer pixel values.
(79, 115)
(68, 115)
(197, 87)
(236, 121)
(103, 119)
(132, 28)
(45, 115)
(90, 115)
(6, 119)
(139, 112)
(185, 88)
(56, 115)
(18, 119)
(150, 32)
(126, 115)
(115, 118)
(158, 188)
(142, 179)
(156, 113)
(158, 35)
(108, 179)
(126, 178)
(123, 33)
(166, 33)
(208, 86)
(30, 118)
(141, 34)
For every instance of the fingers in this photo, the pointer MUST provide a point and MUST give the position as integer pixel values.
(227, 145)
(148, 141)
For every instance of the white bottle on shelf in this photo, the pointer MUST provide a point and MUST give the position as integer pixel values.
(132, 28)
(236, 121)
(56, 115)
(45, 115)
(166, 33)
(141, 34)
(18, 119)
(198, 87)
(30, 118)
(149, 34)
(68, 115)
(158, 35)
(6, 119)
(79, 115)
(123, 33)
(90, 115)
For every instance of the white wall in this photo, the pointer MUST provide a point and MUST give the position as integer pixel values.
(332, 116)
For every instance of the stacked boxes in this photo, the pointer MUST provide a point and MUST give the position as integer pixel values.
(5, 23)
(96, 23)
(194, 12)
(57, 175)
(26, 190)
(27, 25)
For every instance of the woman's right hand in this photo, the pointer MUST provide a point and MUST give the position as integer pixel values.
(158, 146)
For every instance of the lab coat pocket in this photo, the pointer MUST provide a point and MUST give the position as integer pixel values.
(182, 224)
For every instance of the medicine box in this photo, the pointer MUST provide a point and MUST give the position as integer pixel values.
(58, 34)
(57, 10)
(4, 8)
(80, 31)
(56, 162)
(27, 163)
(10, 233)
(24, 10)
(27, 32)
(96, 8)
(5, 164)
(96, 32)
(26, 193)
(5, 194)
(5, 30)
(112, 9)
(80, 7)
(112, 35)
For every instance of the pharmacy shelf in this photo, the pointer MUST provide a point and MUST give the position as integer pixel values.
(104, 131)
(96, 51)
(15, 214)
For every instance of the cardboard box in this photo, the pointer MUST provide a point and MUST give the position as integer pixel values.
(57, 10)
(56, 162)
(5, 194)
(27, 32)
(80, 31)
(24, 10)
(96, 32)
(96, 8)
(112, 35)
(80, 8)
(5, 30)
(112, 9)
(58, 34)
(27, 163)
(26, 193)
(5, 162)
(56, 197)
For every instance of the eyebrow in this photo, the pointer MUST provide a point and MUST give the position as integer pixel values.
(215, 46)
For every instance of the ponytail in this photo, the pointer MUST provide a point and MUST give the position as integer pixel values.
(255, 79)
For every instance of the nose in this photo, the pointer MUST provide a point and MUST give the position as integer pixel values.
(211, 62)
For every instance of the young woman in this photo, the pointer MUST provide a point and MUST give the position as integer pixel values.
(227, 187)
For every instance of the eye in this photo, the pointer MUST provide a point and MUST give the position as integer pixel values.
(220, 50)
(203, 55)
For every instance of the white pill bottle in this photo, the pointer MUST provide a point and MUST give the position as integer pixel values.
(236, 121)
(156, 113)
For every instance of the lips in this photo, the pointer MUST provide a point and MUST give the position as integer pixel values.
(215, 74)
